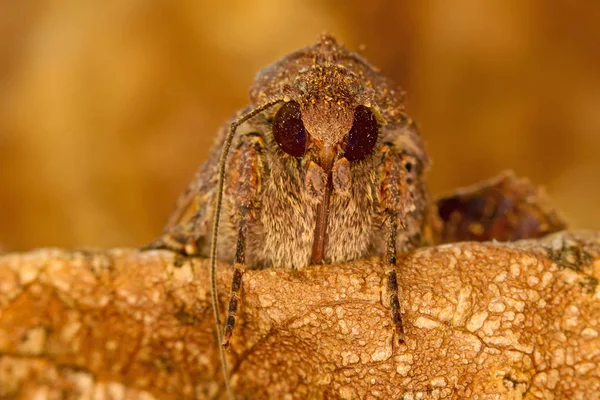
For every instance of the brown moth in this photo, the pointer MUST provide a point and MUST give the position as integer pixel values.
(324, 166)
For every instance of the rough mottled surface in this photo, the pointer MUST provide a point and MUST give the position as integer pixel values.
(486, 321)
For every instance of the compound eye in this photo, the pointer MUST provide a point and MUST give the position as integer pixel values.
(289, 131)
(362, 136)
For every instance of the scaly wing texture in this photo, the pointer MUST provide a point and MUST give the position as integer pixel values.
(503, 208)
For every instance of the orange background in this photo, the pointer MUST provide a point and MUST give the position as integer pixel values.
(107, 108)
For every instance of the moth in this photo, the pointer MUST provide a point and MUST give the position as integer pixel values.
(324, 166)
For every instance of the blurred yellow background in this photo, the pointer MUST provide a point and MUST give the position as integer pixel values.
(107, 108)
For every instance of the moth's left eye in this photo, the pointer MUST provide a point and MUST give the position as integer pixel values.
(288, 129)
(363, 135)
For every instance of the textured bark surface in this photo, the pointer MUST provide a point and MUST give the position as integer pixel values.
(483, 320)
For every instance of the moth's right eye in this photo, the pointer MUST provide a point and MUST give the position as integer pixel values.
(363, 135)
(289, 131)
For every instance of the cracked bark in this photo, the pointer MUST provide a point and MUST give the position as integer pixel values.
(489, 319)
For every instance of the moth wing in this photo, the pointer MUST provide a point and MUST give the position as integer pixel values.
(503, 208)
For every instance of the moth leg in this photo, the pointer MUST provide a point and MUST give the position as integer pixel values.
(392, 277)
(239, 267)
(398, 193)
(244, 188)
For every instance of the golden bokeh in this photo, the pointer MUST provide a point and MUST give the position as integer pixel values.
(107, 108)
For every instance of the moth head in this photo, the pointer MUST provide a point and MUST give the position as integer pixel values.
(329, 113)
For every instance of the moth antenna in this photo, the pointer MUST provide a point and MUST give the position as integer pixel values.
(215, 231)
